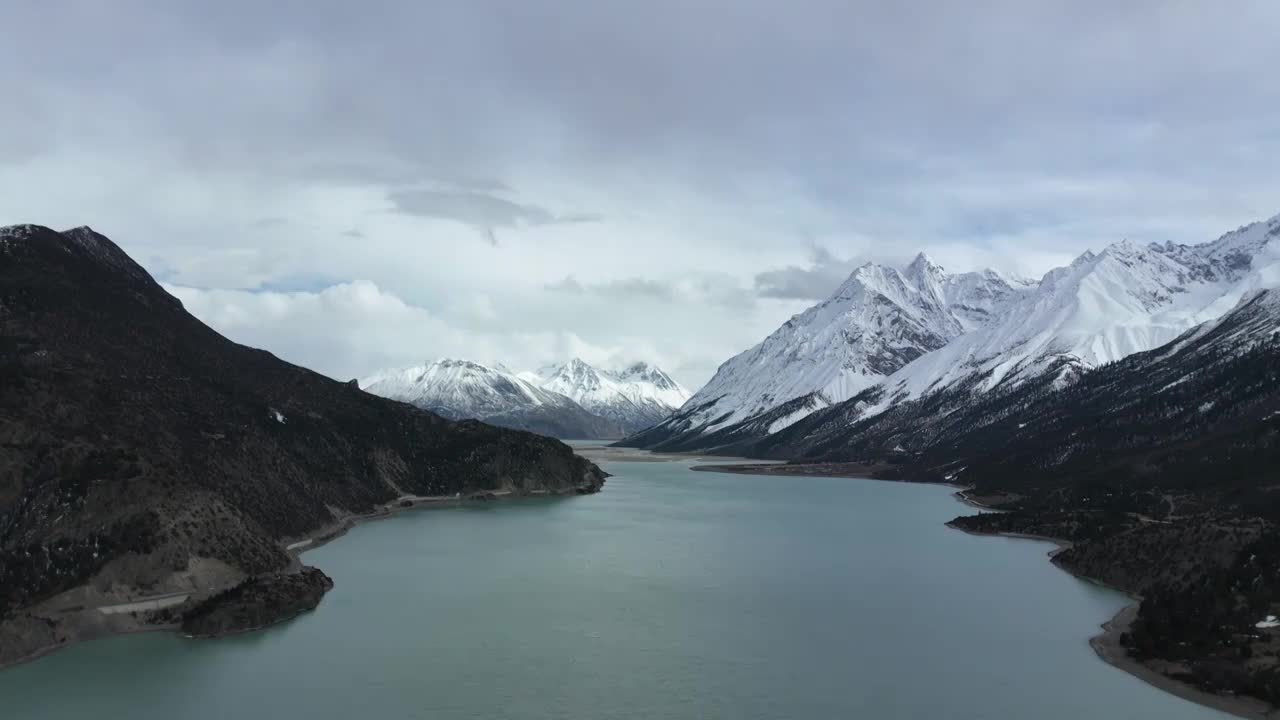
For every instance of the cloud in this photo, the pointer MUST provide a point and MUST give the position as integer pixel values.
(688, 289)
(482, 211)
(816, 281)
(356, 328)
(1009, 134)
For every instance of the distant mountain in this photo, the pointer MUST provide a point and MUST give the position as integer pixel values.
(887, 337)
(143, 454)
(875, 323)
(459, 389)
(635, 397)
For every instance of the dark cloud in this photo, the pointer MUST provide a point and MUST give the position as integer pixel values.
(482, 211)
(824, 274)
(627, 288)
(353, 233)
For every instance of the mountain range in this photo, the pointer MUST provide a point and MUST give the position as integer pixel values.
(887, 336)
(571, 400)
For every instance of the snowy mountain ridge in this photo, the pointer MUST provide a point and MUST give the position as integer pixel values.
(573, 400)
(1103, 307)
(889, 335)
(637, 396)
(459, 389)
(877, 321)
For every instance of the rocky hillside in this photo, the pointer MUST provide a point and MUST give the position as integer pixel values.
(142, 453)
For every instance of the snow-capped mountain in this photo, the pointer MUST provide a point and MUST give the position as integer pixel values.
(635, 397)
(1103, 307)
(886, 336)
(573, 400)
(876, 322)
(459, 389)
(1188, 408)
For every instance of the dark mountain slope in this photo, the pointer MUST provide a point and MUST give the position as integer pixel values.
(142, 453)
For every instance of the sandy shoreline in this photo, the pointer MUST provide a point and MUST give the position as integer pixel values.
(1106, 645)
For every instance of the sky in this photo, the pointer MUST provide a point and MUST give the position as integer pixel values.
(355, 186)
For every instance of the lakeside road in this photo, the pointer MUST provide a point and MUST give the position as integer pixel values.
(1106, 645)
(145, 604)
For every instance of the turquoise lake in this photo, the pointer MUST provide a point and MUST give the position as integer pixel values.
(671, 594)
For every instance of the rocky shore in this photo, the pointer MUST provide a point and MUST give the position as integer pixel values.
(257, 603)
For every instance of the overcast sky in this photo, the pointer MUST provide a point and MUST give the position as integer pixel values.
(354, 185)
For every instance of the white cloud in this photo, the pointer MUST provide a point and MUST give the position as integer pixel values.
(352, 329)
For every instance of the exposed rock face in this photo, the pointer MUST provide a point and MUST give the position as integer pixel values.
(257, 603)
(137, 445)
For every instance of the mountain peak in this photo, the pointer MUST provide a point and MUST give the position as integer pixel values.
(83, 243)
(924, 264)
(448, 362)
(636, 397)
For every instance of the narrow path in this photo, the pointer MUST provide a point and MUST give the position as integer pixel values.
(148, 603)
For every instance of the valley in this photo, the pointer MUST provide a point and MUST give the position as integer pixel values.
(559, 360)
(1149, 487)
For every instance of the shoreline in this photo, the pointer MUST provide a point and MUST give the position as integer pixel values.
(1106, 644)
(293, 547)
(609, 453)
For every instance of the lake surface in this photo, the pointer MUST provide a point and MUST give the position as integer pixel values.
(672, 594)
